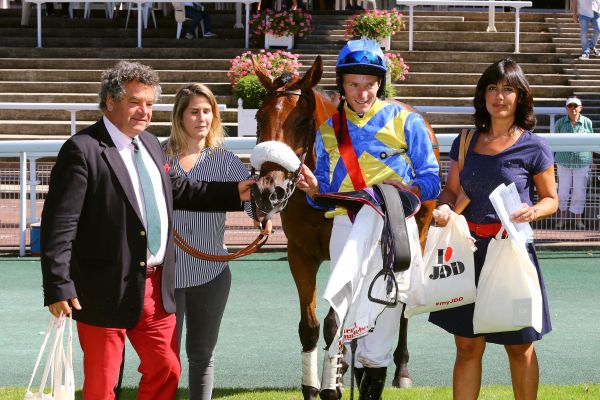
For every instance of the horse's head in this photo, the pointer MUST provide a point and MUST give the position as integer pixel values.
(286, 121)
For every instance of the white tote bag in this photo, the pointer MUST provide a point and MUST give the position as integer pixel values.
(448, 276)
(59, 363)
(509, 297)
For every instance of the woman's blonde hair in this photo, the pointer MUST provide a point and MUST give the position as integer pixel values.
(177, 139)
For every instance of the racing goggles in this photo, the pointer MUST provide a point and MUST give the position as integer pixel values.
(363, 57)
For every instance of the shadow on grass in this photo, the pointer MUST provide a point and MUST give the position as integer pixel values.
(183, 393)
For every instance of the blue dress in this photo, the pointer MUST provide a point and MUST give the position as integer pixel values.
(529, 156)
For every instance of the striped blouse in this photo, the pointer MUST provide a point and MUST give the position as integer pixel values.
(204, 230)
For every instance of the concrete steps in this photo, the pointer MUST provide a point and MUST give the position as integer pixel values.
(451, 51)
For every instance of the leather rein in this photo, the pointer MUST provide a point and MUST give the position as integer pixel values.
(261, 239)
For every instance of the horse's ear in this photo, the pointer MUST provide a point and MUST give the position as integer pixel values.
(263, 75)
(313, 75)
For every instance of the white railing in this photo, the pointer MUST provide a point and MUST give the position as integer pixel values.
(491, 4)
(74, 107)
(27, 150)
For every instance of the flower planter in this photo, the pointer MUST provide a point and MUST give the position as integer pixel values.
(246, 120)
(384, 43)
(279, 41)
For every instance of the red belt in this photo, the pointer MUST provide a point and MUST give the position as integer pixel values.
(485, 230)
(151, 270)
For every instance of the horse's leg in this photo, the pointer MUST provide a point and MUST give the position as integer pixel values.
(333, 367)
(402, 377)
(304, 270)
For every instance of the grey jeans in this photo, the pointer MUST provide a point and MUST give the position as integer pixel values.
(202, 308)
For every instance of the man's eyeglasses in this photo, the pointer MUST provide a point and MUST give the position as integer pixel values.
(359, 57)
(572, 105)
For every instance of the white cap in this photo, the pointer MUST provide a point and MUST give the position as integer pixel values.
(573, 100)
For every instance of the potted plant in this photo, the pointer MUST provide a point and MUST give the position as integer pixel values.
(246, 86)
(280, 27)
(397, 71)
(377, 25)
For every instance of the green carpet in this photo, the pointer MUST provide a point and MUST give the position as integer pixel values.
(259, 347)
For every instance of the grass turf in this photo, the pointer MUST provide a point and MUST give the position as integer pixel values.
(546, 392)
(259, 348)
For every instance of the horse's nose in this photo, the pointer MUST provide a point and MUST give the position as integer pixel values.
(277, 195)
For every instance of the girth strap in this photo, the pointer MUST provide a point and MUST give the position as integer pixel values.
(394, 238)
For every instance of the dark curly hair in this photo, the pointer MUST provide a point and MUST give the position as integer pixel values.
(507, 72)
(113, 80)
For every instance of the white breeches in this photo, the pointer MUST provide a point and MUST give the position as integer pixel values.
(375, 349)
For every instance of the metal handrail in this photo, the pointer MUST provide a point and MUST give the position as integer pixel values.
(74, 107)
(32, 150)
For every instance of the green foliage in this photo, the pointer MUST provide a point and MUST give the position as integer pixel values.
(250, 90)
(375, 24)
(390, 91)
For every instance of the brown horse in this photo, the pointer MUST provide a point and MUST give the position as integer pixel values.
(291, 113)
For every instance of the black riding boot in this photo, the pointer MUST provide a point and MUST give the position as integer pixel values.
(358, 374)
(372, 383)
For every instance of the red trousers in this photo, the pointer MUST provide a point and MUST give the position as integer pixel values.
(153, 338)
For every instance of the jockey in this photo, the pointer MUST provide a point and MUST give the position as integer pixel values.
(368, 142)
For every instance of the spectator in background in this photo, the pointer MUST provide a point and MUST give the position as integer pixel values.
(573, 167)
(197, 13)
(50, 9)
(355, 6)
(271, 4)
(587, 12)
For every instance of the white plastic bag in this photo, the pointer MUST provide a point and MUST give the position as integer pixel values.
(59, 363)
(448, 276)
(509, 297)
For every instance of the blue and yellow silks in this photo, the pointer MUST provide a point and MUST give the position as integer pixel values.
(384, 129)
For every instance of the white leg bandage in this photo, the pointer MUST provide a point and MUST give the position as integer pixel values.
(309, 369)
(332, 371)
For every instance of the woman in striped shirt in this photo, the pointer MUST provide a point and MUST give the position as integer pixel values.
(201, 286)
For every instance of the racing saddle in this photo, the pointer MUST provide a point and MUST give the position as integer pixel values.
(395, 206)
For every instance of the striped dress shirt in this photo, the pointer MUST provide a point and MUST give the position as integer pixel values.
(204, 230)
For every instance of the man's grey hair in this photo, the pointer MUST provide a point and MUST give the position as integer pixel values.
(113, 80)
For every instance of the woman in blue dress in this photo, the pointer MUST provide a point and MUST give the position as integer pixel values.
(503, 150)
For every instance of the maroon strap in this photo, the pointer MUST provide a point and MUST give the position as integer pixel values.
(347, 151)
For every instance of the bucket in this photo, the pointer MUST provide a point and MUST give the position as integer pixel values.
(34, 239)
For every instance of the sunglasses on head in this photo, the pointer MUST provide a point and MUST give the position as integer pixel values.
(358, 57)
(572, 105)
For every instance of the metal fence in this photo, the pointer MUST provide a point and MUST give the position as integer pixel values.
(32, 163)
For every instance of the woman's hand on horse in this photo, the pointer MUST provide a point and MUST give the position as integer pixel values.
(307, 181)
(244, 189)
(442, 215)
(267, 229)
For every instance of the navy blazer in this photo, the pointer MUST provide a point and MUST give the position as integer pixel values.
(93, 240)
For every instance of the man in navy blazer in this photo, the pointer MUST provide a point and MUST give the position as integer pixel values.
(95, 258)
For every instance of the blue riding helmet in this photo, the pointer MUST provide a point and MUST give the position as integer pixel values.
(363, 57)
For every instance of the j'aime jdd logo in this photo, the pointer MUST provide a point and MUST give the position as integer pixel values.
(444, 268)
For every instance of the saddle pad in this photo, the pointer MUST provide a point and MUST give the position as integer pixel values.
(353, 201)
